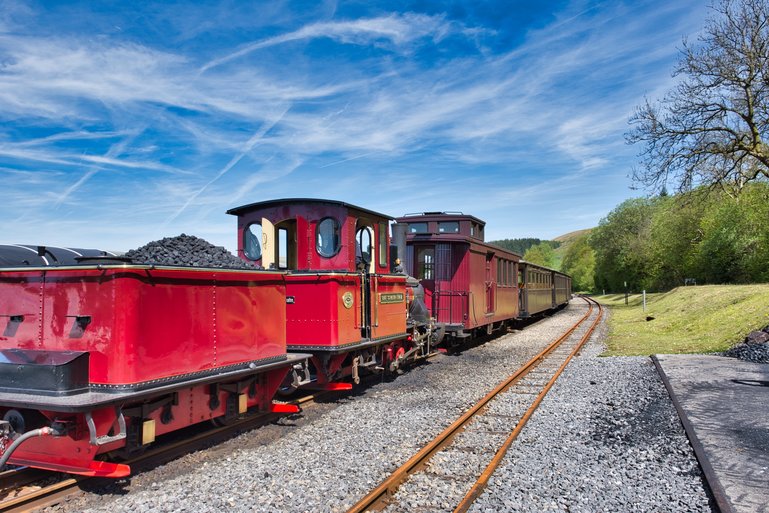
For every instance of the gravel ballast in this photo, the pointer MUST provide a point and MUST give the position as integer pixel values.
(613, 445)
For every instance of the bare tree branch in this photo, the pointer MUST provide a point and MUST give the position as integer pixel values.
(710, 130)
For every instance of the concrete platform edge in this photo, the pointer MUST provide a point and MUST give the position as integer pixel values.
(711, 478)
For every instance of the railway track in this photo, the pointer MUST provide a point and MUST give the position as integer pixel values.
(27, 489)
(485, 431)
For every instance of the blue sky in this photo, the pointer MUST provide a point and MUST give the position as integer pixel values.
(124, 122)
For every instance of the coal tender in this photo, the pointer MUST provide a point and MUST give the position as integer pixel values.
(101, 353)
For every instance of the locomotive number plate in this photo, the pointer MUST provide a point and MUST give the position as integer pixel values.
(347, 299)
(394, 297)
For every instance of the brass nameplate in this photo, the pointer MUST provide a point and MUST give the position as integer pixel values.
(393, 297)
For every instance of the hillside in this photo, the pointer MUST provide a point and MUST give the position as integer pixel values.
(566, 241)
(698, 319)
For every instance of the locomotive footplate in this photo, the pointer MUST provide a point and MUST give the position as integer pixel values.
(99, 396)
(345, 348)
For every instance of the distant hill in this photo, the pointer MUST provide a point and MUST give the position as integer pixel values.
(521, 245)
(560, 244)
(565, 241)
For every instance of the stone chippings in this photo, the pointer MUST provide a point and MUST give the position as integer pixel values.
(186, 251)
(606, 438)
(755, 347)
(327, 461)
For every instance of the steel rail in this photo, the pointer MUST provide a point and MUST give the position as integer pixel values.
(377, 499)
(478, 487)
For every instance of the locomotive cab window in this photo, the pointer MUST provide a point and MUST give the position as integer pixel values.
(363, 246)
(383, 244)
(327, 237)
(252, 241)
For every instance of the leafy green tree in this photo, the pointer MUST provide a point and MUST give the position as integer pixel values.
(579, 263)
(735, 238)
(675, 235)
(520, 246)
(621, 244)
(541, 254)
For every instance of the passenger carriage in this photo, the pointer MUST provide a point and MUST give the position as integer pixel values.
(541, 289)
(470, 286)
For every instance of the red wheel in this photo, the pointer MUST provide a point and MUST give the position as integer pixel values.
(397, 360)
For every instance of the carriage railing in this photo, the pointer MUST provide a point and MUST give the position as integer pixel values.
(450, 306)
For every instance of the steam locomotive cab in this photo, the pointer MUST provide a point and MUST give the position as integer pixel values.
(343, 304)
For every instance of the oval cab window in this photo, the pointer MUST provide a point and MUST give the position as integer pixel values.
(327, 237)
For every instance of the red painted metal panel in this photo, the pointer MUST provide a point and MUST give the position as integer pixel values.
(146, 324)
(317, 313)
(20, 305)
(389, 314)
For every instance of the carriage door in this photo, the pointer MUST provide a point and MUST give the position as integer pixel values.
(490, 283)
(425, 273)
(363, 260)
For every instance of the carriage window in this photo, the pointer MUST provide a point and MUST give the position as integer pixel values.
(425, 263)
(252, 241)
(383, 244)
(327, 237)
(448, 227)
(417, 227)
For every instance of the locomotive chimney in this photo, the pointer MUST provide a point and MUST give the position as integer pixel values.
(399, 240)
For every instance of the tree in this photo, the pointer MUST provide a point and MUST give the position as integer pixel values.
(621, 243)
(710, 130)
(520, 246)
(541, 254)
(579, 263)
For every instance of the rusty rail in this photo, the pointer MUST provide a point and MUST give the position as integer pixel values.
(379, 497)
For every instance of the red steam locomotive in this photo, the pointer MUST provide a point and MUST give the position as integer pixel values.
(100, 356)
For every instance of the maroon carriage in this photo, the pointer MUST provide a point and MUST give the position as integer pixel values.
(469, 285)
(106, 357)
(344, 306)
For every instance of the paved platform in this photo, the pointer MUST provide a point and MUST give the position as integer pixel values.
(724, 406)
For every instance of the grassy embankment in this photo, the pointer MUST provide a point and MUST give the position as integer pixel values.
(699, 319)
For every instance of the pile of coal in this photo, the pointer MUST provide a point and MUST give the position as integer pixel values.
(187, 251)
(755, 347)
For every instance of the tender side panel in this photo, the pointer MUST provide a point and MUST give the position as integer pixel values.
(250, 317)
(20, 310)
(140, 325)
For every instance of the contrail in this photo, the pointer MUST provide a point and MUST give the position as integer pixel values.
(233, 161)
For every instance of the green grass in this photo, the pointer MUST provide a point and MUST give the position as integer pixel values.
(700, 319)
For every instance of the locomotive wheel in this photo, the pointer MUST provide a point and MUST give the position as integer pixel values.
(16, 419)
(398, 359)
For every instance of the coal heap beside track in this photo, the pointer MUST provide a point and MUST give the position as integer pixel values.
(755, 347)
(187, 251)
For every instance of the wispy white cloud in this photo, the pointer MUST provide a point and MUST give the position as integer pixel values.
(397, 29)
(417, 96)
